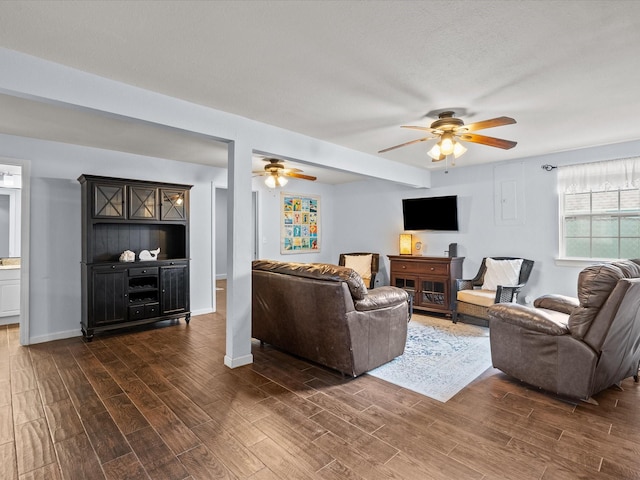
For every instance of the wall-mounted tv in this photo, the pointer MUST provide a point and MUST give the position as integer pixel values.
(431, 213)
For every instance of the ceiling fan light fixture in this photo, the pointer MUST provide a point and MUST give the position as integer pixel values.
(270, 181)
(435, 152)
(274, 180)
(438, 151)
(450, 128)
(446, 144)
(458, 149)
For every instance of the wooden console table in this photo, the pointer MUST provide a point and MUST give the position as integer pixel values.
(430, 280)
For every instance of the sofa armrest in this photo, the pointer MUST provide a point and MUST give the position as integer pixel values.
(381, 297)
(534, 319)
(559, 303)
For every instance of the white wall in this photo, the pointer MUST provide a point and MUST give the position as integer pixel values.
(368, 217)
(55, 225)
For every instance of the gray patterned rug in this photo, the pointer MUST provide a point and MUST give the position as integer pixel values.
(440, 358)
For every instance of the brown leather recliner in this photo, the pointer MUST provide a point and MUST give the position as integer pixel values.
(324, 313)
(575, 347)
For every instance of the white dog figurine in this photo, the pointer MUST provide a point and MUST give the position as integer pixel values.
(146, 255)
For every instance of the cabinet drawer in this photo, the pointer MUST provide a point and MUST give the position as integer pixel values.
(136, 312)
(403, 267)
(424, 268)
(151, 310)
(138, 272)
(436, 268)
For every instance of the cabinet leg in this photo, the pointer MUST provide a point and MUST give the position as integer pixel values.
(88, 336)
(187, 318)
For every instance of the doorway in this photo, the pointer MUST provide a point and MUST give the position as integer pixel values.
(14, 242)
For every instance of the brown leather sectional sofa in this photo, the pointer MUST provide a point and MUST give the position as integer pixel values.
(324, 313)
(574, 346)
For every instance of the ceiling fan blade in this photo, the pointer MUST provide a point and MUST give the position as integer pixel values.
(291, 170)
(299, 175)
(406, 143)
(259, 172)
(494, 122)
(490, 141)
(427, 129)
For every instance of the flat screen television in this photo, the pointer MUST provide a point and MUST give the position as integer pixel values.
(431, 213)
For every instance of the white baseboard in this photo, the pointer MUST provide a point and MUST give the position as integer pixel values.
(11, 319)
(238, 362)
(55, 336)
(202, 311)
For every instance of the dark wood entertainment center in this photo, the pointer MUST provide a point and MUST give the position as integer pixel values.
(430, 280)
(122, 214)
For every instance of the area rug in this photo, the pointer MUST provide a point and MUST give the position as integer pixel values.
(440, 357)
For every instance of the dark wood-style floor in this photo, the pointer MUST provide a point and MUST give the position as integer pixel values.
(159, 404)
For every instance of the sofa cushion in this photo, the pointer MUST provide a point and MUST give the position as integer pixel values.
(501, 272)
(320, 271)
(484, 298)
(361, 264)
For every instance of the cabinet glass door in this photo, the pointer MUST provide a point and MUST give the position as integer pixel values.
(142, 203)
(173, 204)
(433, 293)
(108, 201)
(406, 283)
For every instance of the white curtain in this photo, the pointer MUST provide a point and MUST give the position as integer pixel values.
(600, 176)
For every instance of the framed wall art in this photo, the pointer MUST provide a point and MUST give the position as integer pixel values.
(300, 223)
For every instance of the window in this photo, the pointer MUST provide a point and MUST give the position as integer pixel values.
(600, 210)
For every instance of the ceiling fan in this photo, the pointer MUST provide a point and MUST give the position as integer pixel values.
(451, 130)
(277, 174)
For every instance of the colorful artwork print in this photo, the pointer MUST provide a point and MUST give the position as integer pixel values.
(300, 224)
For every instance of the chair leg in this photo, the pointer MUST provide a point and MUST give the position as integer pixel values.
(454, 317)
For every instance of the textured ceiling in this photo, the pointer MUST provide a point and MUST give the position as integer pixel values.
(352, 72)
